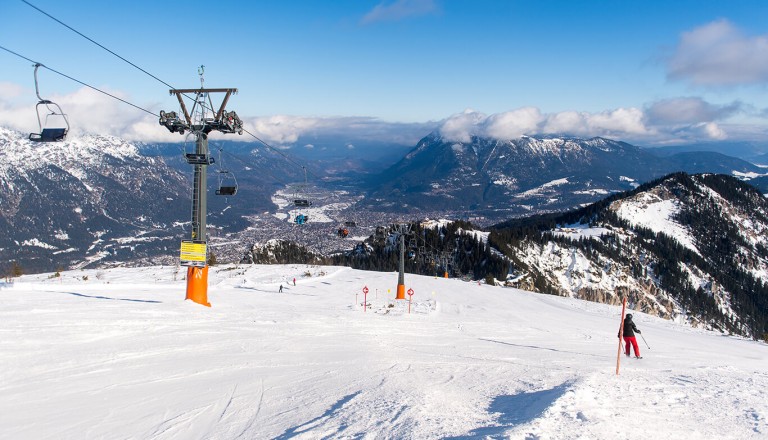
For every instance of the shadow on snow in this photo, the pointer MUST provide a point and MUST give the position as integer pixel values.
(517, 409)
(328, 414)
(113, 299)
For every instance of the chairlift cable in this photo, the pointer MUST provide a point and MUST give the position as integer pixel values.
(147, 73)
(276, 150)
(100, 45)
(80, 82)
(254, 165)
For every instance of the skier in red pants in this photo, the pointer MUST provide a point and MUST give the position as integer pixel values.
(629, 336)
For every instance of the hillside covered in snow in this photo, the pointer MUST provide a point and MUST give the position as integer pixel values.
(689, 248)
(119, 354)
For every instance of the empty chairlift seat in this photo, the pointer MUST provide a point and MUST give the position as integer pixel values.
(49, 135)
(226, 191)
(56, 124)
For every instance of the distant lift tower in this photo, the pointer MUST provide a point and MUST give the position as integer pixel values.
(201, 120)
(403, 229)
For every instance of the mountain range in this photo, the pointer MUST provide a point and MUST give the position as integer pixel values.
(506, 178)
(91, 197)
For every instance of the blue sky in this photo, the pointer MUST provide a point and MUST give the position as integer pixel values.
(648, 72)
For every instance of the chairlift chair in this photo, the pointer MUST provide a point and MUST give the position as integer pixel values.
(301, 219)
(199, 159)
(298, 200)
(227, 181)
(226, 191)
(48, 133)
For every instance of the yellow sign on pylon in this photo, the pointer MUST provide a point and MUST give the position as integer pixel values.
(194, 253)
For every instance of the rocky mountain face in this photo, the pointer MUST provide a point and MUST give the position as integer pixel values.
(514, 177)
(685, 247)
(85, 199)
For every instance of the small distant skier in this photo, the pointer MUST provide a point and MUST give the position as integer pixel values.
(629, 336)
(281, 291)
(294, 281)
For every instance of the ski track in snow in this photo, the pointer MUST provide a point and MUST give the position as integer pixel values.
(122, 355)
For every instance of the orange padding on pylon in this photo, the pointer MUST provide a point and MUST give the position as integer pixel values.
(197, 285)
(400, 291)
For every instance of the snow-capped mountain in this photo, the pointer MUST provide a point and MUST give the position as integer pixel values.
(527, 174)
(87, 198)
(684, 247)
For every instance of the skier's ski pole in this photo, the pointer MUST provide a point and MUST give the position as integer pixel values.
(646, 343)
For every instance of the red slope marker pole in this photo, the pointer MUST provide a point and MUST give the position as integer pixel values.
(621, 330)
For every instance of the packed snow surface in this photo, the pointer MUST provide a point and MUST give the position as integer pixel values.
(120, 354)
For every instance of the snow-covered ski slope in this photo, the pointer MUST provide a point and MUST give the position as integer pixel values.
(121, 355)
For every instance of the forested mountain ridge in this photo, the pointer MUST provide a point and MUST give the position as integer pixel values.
(684, 247)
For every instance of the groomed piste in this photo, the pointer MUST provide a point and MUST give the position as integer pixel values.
(120, 354)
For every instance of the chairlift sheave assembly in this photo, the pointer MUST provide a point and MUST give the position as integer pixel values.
(48, 133)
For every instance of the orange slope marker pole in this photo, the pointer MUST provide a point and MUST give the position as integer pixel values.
(621, 330)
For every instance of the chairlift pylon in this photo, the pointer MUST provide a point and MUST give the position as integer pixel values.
(47, 133)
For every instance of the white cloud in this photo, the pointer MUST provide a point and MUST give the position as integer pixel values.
(619, 121)
(714, 131)
(10, 90)
(530, 121)
(281, 129)
(462, 126)
(513, 124)
(567, 122)
(688, 110)
(399, 9)
(88, 111)
(719, 54)
(674, 120)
